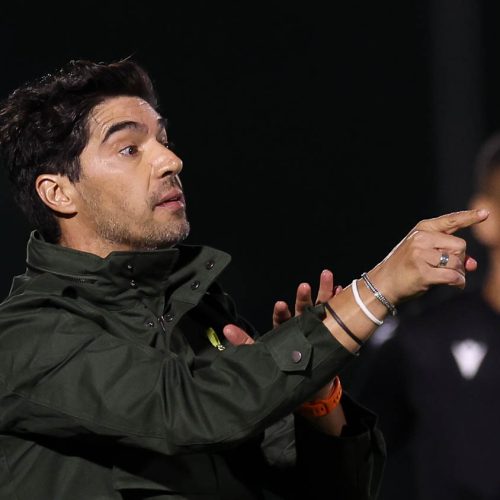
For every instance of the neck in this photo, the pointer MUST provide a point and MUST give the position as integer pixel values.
(81, 238)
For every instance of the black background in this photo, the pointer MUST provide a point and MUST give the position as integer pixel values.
(310, 138)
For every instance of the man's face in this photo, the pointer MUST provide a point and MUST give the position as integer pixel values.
(130, 195)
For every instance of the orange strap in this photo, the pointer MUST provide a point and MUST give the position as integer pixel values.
(322, 407)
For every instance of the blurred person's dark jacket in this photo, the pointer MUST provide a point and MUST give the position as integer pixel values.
(435, 384)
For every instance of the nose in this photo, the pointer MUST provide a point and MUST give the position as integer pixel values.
(167, 163)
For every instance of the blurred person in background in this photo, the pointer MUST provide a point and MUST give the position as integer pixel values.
(435, 382)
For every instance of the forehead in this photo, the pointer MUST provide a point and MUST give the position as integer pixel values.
(118, 109)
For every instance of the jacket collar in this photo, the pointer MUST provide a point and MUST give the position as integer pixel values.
(144, 271)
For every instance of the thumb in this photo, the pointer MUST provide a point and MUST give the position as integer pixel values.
(236, 336)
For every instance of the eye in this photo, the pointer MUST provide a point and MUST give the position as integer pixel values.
(162, 139)
(168, 144)
(129, 151)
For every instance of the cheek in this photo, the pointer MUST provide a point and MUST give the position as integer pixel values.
(129, 197)
(113, 188)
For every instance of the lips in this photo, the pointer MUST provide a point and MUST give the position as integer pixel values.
(173, 199)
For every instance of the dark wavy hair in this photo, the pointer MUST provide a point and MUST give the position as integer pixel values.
(44, 126)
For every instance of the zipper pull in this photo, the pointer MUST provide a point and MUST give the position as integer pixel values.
(214, 339)
(161, 320)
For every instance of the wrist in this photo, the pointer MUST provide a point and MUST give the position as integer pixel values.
(377, 277)
(323, 406)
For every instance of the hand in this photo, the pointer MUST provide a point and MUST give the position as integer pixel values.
(303, 298)
(412, 267)
(333, 422)
(281, 312)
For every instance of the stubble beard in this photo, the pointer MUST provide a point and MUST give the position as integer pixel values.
(151, 236)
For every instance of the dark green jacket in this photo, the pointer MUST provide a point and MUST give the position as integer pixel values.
(111, 388)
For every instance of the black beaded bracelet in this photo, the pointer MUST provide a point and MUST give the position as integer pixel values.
(344, 327)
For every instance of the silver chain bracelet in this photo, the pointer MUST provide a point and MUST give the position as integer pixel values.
(391, 308)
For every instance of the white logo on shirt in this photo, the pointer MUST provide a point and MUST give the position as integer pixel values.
(469, 355)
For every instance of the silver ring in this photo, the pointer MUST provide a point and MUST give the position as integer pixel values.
(443, 260)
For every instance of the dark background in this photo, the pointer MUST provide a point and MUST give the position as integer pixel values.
(310, 138)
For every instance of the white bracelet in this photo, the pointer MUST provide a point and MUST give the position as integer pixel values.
(362, 306)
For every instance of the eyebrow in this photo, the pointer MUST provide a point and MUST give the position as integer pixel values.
(129, 124)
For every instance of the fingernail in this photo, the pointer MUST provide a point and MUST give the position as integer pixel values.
(483, 212)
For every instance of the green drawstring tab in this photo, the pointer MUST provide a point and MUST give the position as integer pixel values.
(214, 340)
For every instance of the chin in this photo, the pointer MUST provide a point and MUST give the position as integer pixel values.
(168, 239)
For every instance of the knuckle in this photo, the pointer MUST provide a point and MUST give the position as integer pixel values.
(418, 237)
(452, 220)
(421, 224)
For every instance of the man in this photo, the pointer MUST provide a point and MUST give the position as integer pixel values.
(440, 411)
(115, 377)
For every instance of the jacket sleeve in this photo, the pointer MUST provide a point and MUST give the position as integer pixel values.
(65, 377)
(349, 466)
(306, 463)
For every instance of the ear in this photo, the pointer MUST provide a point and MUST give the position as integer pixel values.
(488, 231)
(57, 192)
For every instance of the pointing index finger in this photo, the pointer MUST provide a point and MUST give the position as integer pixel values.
(449, 223)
